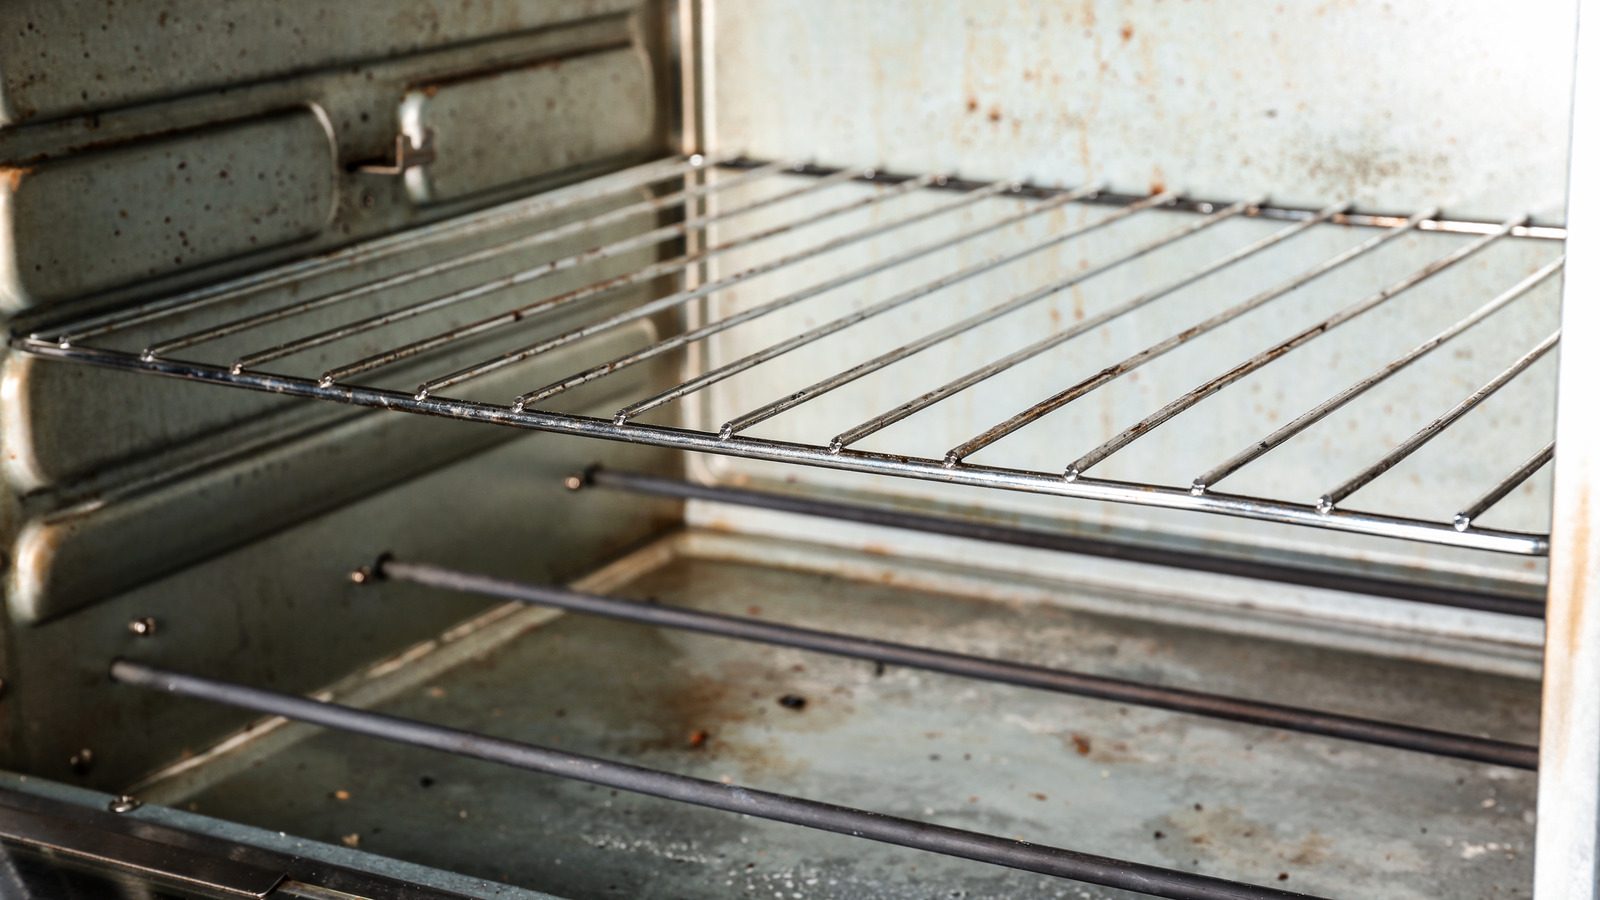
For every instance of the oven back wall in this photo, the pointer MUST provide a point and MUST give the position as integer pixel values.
(1393, 107)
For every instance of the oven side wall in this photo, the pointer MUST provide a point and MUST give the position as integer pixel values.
(156, 149)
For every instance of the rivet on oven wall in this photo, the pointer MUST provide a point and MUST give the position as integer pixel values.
(373, 573)
(143, 627)
(577, 481)
(81, 762)
(367, 200)
(124, 804)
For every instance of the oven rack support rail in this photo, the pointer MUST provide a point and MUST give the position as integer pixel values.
(687, 184)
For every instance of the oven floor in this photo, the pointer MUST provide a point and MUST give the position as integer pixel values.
(1330, 818)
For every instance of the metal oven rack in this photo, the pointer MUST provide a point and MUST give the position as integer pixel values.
(102, 340)
(142, 339)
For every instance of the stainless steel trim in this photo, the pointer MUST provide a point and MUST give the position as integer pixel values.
(161, 860)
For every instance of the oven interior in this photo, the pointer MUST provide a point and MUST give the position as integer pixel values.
(1105, 445)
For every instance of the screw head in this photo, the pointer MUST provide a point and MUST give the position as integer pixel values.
(144, 626)
(361, 575)
(573, 482)
(367, 200)
(124, 804)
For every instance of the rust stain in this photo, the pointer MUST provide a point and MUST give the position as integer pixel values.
(994, 113)
(1127, 31)
(12, 175)
(1577, 588)
(707, 708)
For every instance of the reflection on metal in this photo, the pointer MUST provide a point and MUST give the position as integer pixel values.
(162, 860)
(407, 156)
(1016, 854)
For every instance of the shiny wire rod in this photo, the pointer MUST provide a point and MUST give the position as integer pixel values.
(672, 343)
(811, 335)
(1278, 351)
(679, 298)
(1276, 213)
(834, 382)
(483, 254)
(1111, 373)
(1327, 407)
(654, 270)
(1064, 681)
(1051, 484)
(985, 372)
(1463, 519)
(384, 247)
(543, 270)
(1015, 854)
(1435, 428)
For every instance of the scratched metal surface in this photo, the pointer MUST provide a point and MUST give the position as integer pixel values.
(1337, 819)
(1393, 107)
(1389, 104)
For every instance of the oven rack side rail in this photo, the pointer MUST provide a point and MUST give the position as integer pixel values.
(686, 185)
(927, 469)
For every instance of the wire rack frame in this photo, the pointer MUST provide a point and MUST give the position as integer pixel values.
(686, 184)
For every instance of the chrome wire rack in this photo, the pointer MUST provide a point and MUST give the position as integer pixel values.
(165, 337)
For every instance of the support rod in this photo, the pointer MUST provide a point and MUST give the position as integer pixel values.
(1015, 854)
(1371, 586)
(1081, 684)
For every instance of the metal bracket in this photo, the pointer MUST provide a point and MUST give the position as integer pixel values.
(406, 155)
(77, 839)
